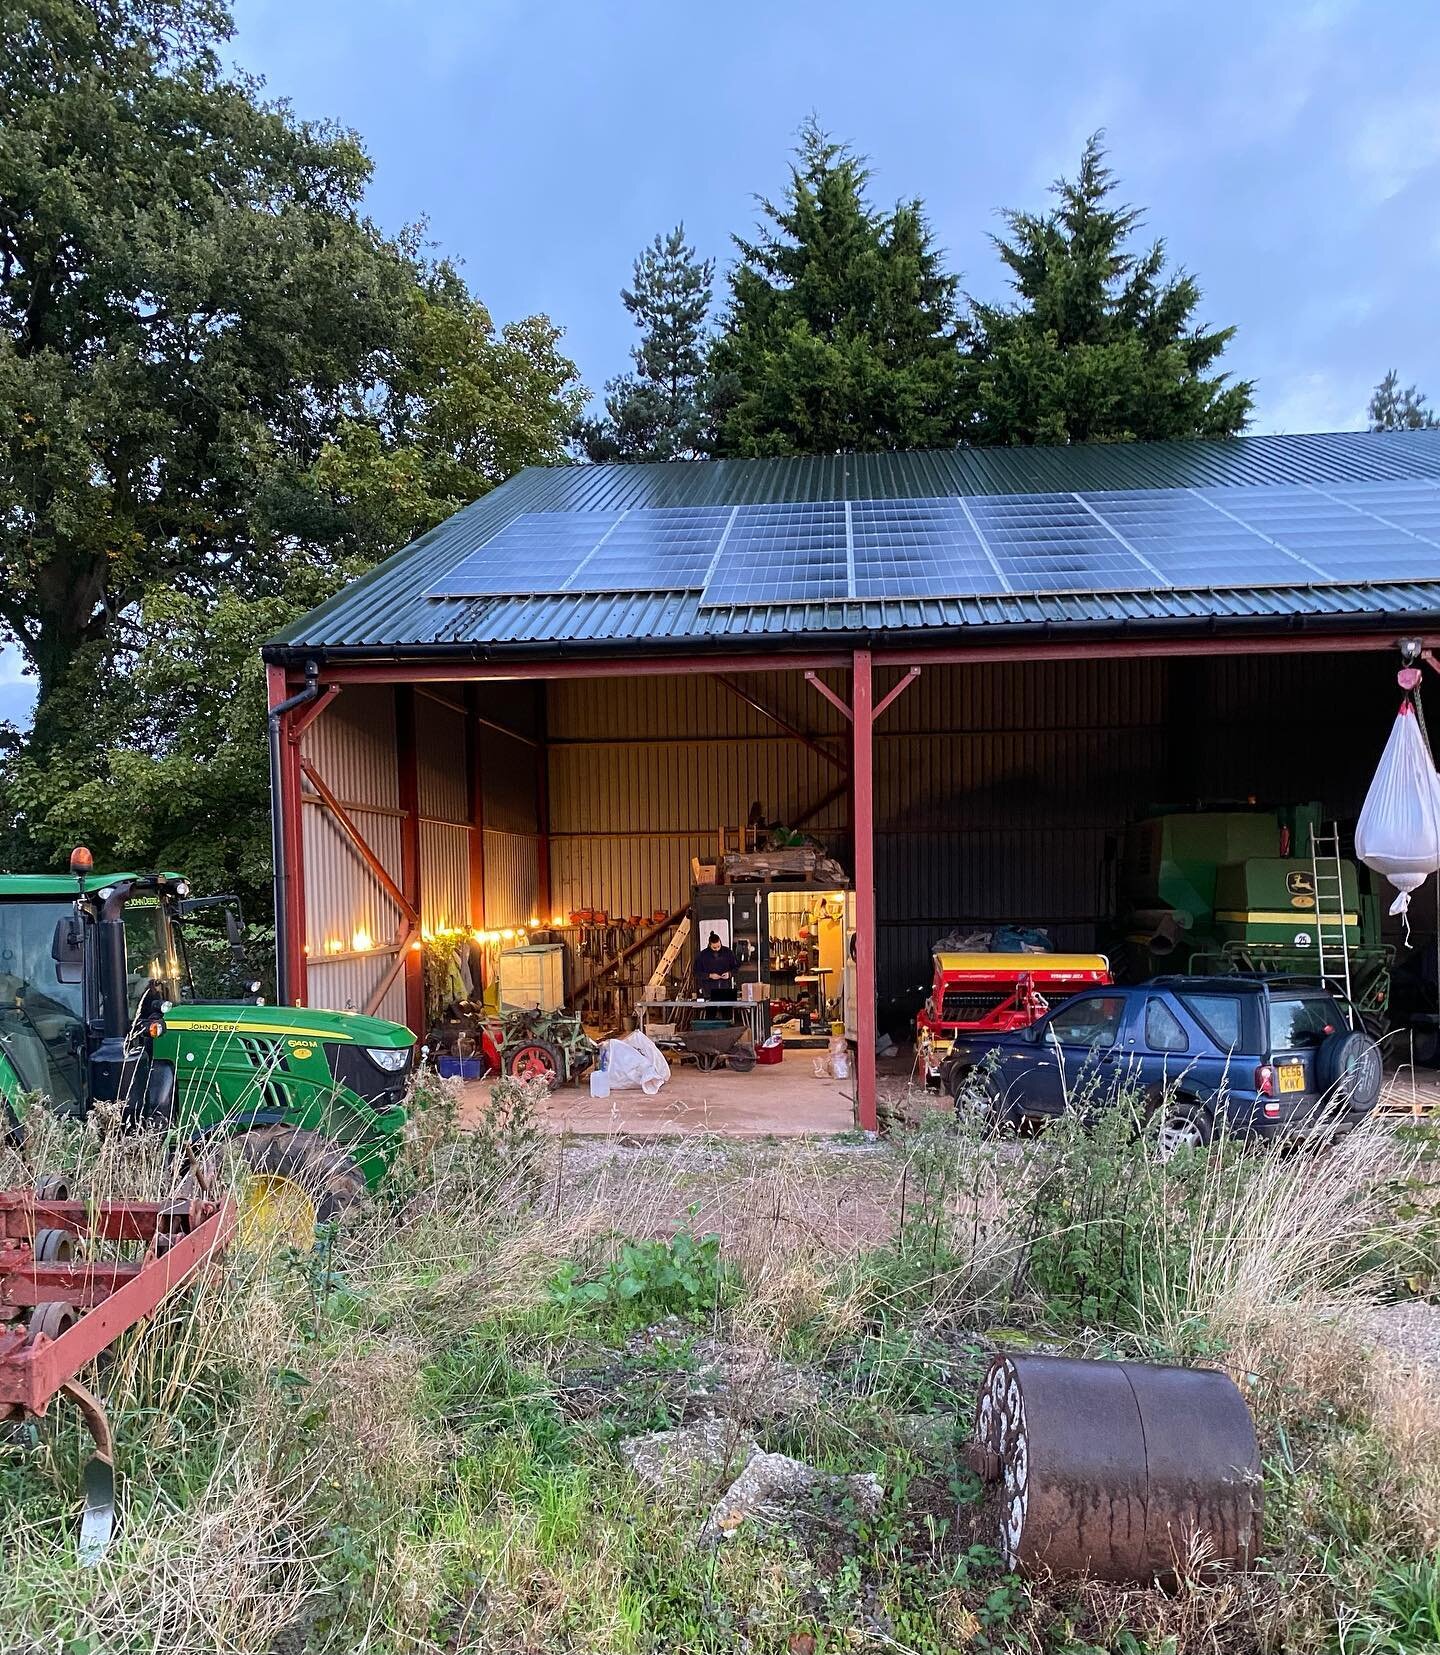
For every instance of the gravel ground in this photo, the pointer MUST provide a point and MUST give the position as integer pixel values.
(1410, 1330)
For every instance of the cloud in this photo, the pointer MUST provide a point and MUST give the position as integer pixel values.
(1310, 402)
(1397, 143)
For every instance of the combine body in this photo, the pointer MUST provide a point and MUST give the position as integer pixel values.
(1234, 891)
(995, 994)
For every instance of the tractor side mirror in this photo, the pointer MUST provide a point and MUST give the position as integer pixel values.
(67, 949)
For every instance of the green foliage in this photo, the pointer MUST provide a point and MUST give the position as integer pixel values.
(841, 328)
(682, 1276)
(657, 413)
(1393, 408)
(222, 395)
(1403, 1614)
(1101, 344)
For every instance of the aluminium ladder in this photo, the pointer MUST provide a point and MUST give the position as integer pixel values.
(1332, 936)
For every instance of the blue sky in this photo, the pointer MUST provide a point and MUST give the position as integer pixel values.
(1289, 154)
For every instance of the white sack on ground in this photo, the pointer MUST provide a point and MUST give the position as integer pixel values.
(1398, 833)
(635, 1061)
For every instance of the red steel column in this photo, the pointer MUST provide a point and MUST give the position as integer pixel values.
(288, 836)
(408, 761)
(542, 811)
(475, 782)
(862, 772)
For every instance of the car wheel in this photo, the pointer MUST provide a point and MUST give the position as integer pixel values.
(980, 1098)
(1183, 1125)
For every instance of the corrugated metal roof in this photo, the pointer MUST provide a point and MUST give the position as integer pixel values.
(387, 610)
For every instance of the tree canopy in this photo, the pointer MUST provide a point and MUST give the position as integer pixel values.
(222, 392)
(658, 413)
(1100, 342)
(1397, 408)
(841, 327)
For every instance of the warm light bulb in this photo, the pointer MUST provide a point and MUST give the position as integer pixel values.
(361, 941)
(534, 921)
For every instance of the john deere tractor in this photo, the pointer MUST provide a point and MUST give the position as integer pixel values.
(97, 1007)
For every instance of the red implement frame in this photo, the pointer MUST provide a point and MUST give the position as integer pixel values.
(108, 1297)
(1019, 994)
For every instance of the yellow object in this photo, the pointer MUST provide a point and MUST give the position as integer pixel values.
(1022, 962)
(1301, 917)
(276, 1212)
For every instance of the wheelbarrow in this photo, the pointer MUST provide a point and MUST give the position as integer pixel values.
(60, 1307)
(713, 1049)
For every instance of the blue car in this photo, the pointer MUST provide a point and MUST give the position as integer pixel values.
(1251, 1056)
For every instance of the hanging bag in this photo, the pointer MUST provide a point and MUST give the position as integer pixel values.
(1398, 833)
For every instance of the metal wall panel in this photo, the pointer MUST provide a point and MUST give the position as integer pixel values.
(445, 875)
(440, 751)
(347, 984)
(512, 879)
(604, 709)
(352, 745)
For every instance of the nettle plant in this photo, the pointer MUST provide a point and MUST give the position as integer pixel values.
(680, 1276)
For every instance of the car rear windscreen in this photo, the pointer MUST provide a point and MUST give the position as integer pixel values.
(1224, 1018)
(1300, 1022)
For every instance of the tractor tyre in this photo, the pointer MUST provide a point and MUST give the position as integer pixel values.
(535, 1060)
(299, 1179)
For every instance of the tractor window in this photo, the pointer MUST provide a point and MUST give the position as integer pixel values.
(152, 961)
(41, 1018)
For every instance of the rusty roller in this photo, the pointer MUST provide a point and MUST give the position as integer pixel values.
(1120, 1470)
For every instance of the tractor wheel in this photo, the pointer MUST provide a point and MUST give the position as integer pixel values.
(298, 1180)
(535, 1060)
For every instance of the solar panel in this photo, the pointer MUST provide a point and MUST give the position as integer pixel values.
(535, 552)
(655, 549)
(791, 552)
(783, 552)
(919, 548)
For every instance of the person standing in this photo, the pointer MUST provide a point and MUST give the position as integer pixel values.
(715, 970)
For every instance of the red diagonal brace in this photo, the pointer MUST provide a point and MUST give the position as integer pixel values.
(347, 826)
(897, 691)
(301, 718)
(829, 694)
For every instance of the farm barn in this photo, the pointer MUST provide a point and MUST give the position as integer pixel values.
(959, 676)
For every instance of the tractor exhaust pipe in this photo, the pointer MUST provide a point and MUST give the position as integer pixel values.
(284, 988)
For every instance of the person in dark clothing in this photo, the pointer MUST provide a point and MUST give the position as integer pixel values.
(715, 970)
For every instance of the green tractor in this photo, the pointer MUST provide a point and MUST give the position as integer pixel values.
(97, 1007)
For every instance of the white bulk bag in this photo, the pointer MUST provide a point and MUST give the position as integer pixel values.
(635, 1061)
(1398, 833)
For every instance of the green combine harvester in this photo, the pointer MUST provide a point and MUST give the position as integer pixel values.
(97, 1007)
(1253, 891)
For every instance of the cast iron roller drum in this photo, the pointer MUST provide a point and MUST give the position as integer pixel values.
(1119, 1470)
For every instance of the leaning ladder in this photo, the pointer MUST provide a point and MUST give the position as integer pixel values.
(655, 988)
(1332, 937)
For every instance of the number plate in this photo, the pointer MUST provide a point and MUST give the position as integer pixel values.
(1292, 1077)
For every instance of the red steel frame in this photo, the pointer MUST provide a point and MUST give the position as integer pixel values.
(861, 664)
(112, 1297)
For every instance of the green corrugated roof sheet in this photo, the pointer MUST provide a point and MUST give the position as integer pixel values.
(386, 612)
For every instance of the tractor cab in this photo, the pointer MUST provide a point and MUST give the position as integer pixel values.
(88, 967)
(98, 1006)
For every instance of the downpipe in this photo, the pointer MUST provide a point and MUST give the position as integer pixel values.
(283, 986)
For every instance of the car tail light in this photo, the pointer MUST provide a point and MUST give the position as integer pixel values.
(1265, 1081)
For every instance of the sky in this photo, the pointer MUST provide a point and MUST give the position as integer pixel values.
(1288, 154)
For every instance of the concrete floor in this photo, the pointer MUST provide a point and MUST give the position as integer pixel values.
(785, 1100)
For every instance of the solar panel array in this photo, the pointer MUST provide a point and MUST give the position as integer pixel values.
(967, 546)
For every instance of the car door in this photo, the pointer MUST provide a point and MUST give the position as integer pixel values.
(1073, 1055)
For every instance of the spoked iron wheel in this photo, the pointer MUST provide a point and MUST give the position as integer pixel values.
(535, 1060)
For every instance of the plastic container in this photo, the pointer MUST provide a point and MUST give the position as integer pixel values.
(770, 1053)
(461, 1068)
